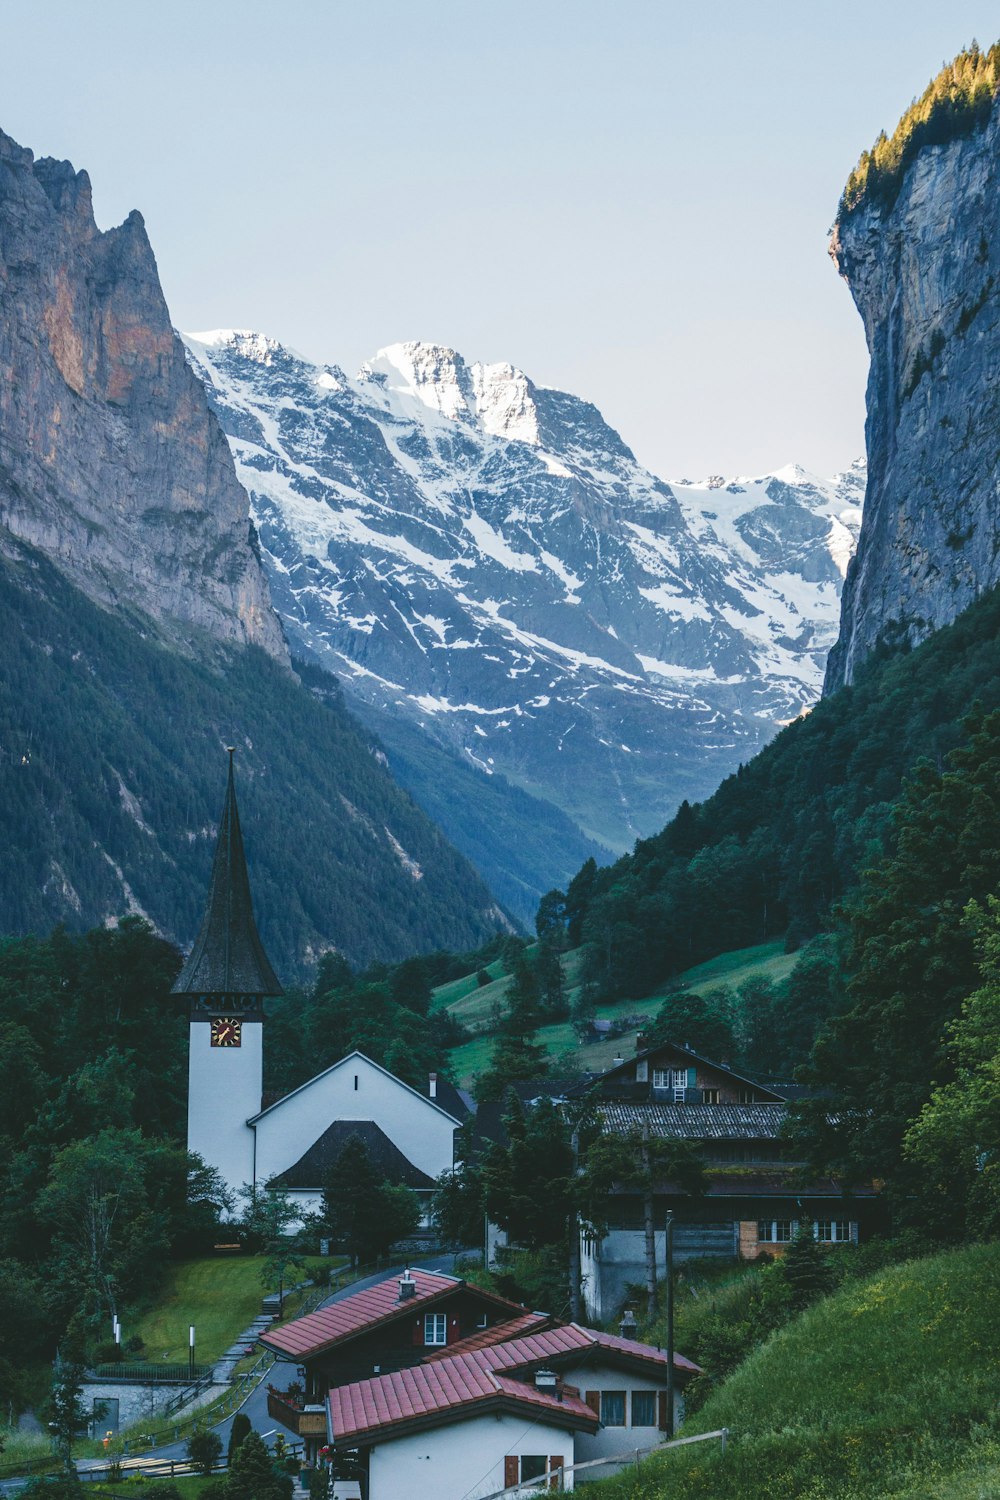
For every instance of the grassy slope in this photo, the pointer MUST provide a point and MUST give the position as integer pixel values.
(474, 1006)
(221, 1296)
(888, 1388)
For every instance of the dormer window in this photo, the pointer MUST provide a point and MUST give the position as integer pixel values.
(435, 1328)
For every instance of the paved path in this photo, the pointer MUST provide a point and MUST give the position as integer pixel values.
(248, 1338)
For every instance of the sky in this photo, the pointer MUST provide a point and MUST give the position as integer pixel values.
(627, 200)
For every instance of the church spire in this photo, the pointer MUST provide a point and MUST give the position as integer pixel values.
(228, 957)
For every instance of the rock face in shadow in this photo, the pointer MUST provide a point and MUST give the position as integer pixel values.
(925, 276)
(110, 459)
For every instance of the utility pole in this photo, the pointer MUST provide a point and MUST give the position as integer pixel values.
(575, 1300)
(670, 1324)
(191, 1351)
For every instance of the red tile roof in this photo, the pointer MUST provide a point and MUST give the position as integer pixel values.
(367, 1309)
(435, 1392)
(438, 1389)
(499, 1333)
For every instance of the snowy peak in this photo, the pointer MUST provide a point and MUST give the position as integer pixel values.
(496, 398)
(486, 558)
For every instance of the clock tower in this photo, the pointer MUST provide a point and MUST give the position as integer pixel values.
(224, 981)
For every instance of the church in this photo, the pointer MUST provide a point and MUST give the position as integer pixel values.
(295, 1140)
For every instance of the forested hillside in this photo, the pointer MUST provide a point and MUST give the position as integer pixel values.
(784, 839)
(112, 773)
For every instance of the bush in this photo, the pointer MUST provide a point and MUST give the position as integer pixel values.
(204, 1449)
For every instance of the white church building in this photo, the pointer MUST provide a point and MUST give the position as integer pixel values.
(297, 1139)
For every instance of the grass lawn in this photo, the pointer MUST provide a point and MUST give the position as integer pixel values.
(888, 1388)
(220, 1295)
(766, 961)
(456, 989)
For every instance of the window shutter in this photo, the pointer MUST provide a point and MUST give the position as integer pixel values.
(418, 1331)
(555, 1464)
(510, 1471)
(593, 1400)
(692, 1078)
(662, 1405)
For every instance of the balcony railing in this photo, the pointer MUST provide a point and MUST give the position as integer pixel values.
(302, 1419)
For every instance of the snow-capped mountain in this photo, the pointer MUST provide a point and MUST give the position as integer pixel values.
(487, 559)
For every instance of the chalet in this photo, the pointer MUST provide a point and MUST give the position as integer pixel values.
(757, 1193)
(495, 1414)
(383, 1329)
(295, 1139)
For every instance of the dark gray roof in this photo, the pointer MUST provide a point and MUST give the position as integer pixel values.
(312, 1169)
(228, 957)
(697, 1122)
(453, 1101)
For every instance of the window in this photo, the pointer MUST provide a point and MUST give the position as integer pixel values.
(832, 1231)
(481, 1321)
(643, 1408)
(671, 1078)
(435, 1328)
(533, 1465)
(746, 1096)
(774, 1231)
(710, 1096)
(613, 1408)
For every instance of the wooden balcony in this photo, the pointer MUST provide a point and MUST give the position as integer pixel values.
(304, 1421)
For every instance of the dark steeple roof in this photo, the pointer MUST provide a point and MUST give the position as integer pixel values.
(228, 957)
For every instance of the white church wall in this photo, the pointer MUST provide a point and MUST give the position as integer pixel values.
(224, 1089)
(354, 1089)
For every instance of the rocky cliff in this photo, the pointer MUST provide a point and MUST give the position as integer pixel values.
(110, 460)
(923, 266)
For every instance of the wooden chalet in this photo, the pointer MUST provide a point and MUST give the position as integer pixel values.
(757, 1193)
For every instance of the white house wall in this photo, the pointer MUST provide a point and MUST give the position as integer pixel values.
(224, 1086)
(610, 1442)
(354, 1089)
(464, 1460)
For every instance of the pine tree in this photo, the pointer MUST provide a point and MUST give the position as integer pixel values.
(805, 1270)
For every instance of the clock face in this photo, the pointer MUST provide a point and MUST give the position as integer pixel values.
(226, 1031)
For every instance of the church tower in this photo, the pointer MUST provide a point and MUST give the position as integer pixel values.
(224, 981)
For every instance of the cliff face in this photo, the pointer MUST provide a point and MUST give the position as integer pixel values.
(925, 276)
(110, 460)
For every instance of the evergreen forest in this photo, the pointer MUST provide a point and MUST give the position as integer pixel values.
(112, 760)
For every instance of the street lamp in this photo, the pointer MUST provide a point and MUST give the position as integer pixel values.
(191, 1351)
(670, 1325)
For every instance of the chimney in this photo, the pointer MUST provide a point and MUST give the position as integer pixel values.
(628, 1327)
(407, 1286)
(640, 1041)
(547, 1381)
(433, 1086)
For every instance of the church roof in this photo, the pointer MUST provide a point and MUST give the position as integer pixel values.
(312, 1169)
(228, 956)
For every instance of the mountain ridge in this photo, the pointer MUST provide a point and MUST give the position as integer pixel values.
(486, 557)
